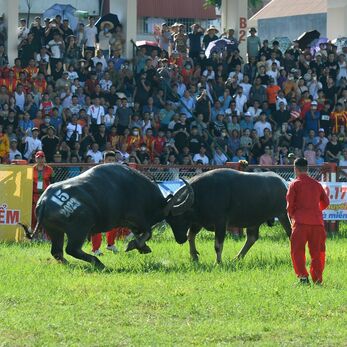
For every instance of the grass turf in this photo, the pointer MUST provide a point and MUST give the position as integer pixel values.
(164, 299)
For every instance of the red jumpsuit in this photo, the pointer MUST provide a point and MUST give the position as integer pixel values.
(110, 237)
(41, 180)
(306, 199)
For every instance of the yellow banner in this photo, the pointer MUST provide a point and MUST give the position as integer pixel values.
(16, 189)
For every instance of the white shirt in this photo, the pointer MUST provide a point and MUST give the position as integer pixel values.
(90, 35)
(253, 112)
(31, 145)
(56, 49)
(273, 74)
(219, 159)
(240, 102)
(204, 158)
(104, 40)
(96, 113)
(238, 75)
(322, 145)
(101, 60)
(269, 63)
(96, 156)
(106, 84)
(44, 57)
(70, 128)
(109, 120)
(12, 154)
(20, 100)
(279, 100)
(246, 89)
(260, 126)
(72, 75)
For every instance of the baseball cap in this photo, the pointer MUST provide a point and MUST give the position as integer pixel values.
(314, 103)
(321, 130)
(33, 129)
(40, 154)
(247, 114)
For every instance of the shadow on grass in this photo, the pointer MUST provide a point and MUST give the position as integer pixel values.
(166, 266)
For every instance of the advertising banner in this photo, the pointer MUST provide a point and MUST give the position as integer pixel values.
(337, 193)
(16, 186)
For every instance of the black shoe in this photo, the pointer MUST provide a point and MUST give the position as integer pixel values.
(304, 280)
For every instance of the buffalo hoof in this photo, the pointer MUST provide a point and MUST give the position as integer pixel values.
(195, 258)
(145, 249)
(131, 246)
(99, 266)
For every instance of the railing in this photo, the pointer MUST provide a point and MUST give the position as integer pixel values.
(174, 172)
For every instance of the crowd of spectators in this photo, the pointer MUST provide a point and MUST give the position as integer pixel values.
(75, 95)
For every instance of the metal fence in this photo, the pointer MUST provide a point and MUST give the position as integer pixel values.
(169, 173)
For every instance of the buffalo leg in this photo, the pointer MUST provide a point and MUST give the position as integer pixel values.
(193, 231)
(252, 237)
(284, 220)
(74, 248)
(57, 239)
(219, 240)
(140, 243)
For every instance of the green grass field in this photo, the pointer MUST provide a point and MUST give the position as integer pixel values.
(163, 299)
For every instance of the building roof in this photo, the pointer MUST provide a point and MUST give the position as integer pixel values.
(175, 9)
(287, 8)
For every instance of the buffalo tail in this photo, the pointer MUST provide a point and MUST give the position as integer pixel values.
(27, 229)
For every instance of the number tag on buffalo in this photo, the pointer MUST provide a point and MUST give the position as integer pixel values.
(68, 205)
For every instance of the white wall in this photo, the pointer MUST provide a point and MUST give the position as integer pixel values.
(336, 18)
(39, 6)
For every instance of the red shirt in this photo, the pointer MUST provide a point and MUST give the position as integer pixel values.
(44, 176)
(306, 199)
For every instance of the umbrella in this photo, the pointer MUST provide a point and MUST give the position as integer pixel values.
(284, 42)
(110, 18)
(315, 44)
(340, 43)
(307, 37)
(65, 11)
(219, 46)
(150, 45)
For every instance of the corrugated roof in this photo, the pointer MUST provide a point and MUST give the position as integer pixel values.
(286, 8)
(175, 9)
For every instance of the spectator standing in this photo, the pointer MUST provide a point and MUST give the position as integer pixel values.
(90, 35)
(253, 43)
(306, 199)
(42, 178)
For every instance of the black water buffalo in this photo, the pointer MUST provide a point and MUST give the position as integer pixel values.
(106, 196)
(225, 197)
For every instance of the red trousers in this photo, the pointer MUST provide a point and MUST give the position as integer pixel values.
(110, 237)
(36, 198)
(315, 236)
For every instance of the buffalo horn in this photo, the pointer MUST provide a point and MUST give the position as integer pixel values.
(184, 205)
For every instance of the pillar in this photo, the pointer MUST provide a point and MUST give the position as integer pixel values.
(234, 16)
(126, 10)
(10, 9)
(336, 15)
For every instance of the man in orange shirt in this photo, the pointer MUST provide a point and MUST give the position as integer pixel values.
(338, 118)
(306, 199)
(272, 91)
(42, 178)
(10, 82)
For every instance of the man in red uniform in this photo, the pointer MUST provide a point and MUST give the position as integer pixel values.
(306, 199)
(111, 235)
(42, 178)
